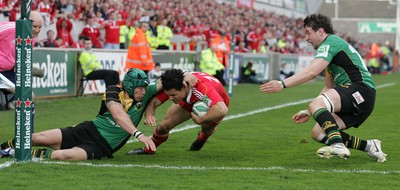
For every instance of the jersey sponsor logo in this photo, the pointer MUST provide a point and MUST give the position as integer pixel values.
(322, 51)
(357, 96)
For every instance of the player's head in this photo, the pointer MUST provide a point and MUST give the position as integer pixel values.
(317, 21)
(172, 81)
(317, 27)
(37, 23)
(135, 82)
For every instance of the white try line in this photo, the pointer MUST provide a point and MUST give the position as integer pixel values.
(229, 117)
(199, 168)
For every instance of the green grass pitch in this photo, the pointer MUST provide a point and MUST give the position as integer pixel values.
(257, 147)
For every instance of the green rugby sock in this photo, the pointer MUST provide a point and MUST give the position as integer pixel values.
(8, 144)
(328, 124)
(353, 142)
(42, 153)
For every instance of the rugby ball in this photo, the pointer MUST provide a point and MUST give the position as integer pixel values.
(200, 108)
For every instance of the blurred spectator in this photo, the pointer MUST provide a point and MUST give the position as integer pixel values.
(10, 8)
(284, 74)
(69, 7)
(262, 46)
(92, 31)
(105, 11)
(45, 9)
(386, 58)
(155, 73)
(49, 41)
(139, 53)
(209, 64)
(164, 35)
(223, 47)
(59, 43)
(80, 43)
(64, 28)
(373, 58)
(253, 39)
(92, 68)
(132, 31)
(61, 6)
(241, 48)
(152, 34)
(222, 50)
(111, 27)
(123, 32)
(248, 74)
(194, 18)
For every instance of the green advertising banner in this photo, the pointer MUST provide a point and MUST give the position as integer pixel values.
(23, 90)
(59, 73)
(377, 27)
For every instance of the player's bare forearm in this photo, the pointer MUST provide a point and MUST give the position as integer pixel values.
(121, 117)
(215, 113)
(150, 112)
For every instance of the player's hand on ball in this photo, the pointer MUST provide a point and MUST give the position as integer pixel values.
(301, 116)
(198, 120)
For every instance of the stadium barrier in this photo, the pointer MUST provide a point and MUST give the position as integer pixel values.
(63, 74)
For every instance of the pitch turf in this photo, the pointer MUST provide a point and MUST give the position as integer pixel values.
(256, 147)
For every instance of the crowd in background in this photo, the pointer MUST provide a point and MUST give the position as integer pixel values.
(254, 31)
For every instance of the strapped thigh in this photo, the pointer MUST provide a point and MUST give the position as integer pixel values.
(328, 103)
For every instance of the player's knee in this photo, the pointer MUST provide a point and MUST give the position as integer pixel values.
(163, 129)
(322, 101)
(58, 155)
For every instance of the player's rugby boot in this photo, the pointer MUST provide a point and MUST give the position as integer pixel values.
(375, 150)
(140, 151)
(337, 149)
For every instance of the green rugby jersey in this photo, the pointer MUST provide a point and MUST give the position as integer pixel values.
(105, 123)
(345, 64)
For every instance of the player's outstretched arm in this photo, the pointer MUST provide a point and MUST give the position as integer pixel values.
(301, 116)
(125, 122)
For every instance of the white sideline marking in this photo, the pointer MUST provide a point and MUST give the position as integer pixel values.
(229, 117)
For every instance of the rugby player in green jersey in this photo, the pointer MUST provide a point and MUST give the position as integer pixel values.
(347, 98)
(122, 108)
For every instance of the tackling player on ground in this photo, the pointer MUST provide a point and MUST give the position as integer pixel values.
(207, 89)
(122, 108)
(347, 98)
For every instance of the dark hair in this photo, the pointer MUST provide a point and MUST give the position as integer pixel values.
(86, 38)
(48, 31)
(172, 79)
(157, 64)
(317, 21)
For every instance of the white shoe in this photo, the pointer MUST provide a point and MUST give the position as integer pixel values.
(8, 152)
(375, 150)
(337, 149)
